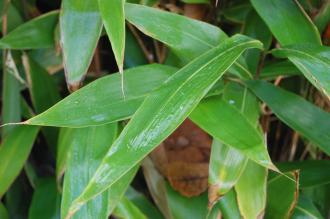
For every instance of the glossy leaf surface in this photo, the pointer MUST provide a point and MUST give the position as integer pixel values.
(36, 33)
(302, 116)
(101, 102)
(87, 149)
(187, 38)
(128, 210)
(162, 111)
(226, 127)
(80, 27)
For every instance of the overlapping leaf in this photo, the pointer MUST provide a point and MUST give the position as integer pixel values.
(14, 151)
(299, 114)
(36, 33)
(162, 111)
(313, 61)
(80, 27)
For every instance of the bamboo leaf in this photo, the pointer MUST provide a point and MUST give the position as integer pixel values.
(86, 151)
(128, 210)
(186, 37)
(65, 138)
(80, 27)
(305, 208)
(3, 212)
(313, 61)
(46, 200)
(287, 21)
(101, 101)
(162, 111)
(114, 22)
(14, 151)
(228, 206)
(311, 172)
(11, 110)
(282, 195)
(251, 191)
(34, 34)
(302, 116)
(274, 69)
(226, 127)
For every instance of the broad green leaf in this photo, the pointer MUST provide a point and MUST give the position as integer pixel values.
(101, 101)
(14, 151)
(231, 128)
(228, 206)
(273, 70)
(282, 195)
(183, 207)
(311, 172)
(113, 17)
(34, 34)
(128, 210)
(80, 27)
(226, 166)
(251, 191)
(11, 111)
(38, 78)
(305, 208)
(187, 38)
(146, 207)
(46, 200)
(313, 61)
(302, 116)
(320, 196)
(65, 139)
(287, 21)
(3, 212)
(163, 111)
(87, 148)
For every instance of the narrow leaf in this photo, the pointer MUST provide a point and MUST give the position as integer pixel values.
(251, 191)
(114, 22)
(228, 206)
(46, 200)
(14, 151)
(302, 116)
(313, 61)
(225, 123)
(36, 33)
(65, 139)
(311, 172)
(163, 111)
(306, 209)
(287, 21)
(128, 210)
(282, 196)
(80, 27)
(187, 38)
(3, 212)
(271, 71)
(86, 151)
(101, 101)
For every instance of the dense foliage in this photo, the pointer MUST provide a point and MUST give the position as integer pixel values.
(218, 109)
